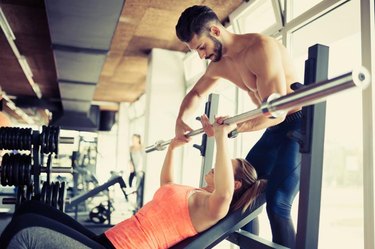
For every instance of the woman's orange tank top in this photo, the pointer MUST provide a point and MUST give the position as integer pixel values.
(161, 223)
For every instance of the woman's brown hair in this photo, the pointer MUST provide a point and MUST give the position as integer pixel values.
(251, 186)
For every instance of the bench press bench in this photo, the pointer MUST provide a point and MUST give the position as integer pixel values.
(224, 228)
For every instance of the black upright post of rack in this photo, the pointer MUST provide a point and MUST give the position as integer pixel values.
(208, 144)
(312, 149)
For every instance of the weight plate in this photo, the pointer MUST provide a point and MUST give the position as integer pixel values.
(61, 198)
(55, 194)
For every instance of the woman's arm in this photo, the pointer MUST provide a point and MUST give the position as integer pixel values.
(167, 175)
(219, 201)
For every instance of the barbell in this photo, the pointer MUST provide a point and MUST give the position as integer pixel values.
(277, 105)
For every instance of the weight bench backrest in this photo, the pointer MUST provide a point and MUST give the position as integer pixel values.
(229, 224)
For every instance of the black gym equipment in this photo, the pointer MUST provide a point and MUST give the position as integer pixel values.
(312, 150)
(225, 227)
(23, 170)
(206, 148)
(102, 212)
(85, 187)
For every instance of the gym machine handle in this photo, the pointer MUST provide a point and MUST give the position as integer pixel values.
(276, 105)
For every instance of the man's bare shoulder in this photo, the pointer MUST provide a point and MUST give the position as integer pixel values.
(259, 48)
(254, 42)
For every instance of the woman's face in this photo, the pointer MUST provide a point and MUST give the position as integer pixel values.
(210, 176)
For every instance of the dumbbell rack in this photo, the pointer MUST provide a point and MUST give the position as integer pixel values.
(23, 170)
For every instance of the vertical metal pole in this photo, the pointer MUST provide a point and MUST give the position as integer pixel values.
(37, 160)
(208, 143)
(368, 115)
(74, 159)
(312, 149)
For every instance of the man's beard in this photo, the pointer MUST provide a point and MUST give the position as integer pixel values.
(218, 50)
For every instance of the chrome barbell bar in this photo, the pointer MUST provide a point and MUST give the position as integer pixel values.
(277, 105)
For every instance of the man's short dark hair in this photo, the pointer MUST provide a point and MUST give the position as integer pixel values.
(194, 20)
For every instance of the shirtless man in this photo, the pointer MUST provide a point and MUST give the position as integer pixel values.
(261, 66)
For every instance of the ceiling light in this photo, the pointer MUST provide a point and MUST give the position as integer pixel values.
(5, 26)
(25, 66)
(21, 59)
(37, 91)
(18, 111)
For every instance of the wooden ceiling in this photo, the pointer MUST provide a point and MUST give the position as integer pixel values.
(143, 25)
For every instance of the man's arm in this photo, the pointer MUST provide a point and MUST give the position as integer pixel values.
(266, 64)
(191, 101)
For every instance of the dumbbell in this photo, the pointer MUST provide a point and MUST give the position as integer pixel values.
(13, 138)
(23, 193)
(52, 194)
(16, 169)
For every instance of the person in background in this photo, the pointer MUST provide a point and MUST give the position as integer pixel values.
(135, 154)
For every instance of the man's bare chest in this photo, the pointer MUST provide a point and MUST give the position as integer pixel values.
(241, 76)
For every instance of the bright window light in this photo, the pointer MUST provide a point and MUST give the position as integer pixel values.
(341, 215)
(194, 67)
(258, 17)
(300, 6)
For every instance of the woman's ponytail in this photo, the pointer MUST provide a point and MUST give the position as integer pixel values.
(251, 186)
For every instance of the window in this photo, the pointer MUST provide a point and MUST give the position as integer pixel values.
(341, 215)
(194, 67)
(262, 16)
(300, 6)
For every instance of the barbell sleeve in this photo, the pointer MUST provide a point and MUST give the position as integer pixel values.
(307, 95)
(318, 92)
(62, 170)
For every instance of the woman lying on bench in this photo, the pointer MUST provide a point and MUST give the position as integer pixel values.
(175, 212)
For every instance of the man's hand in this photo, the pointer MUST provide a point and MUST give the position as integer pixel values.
(181, 129)
(242, 127)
